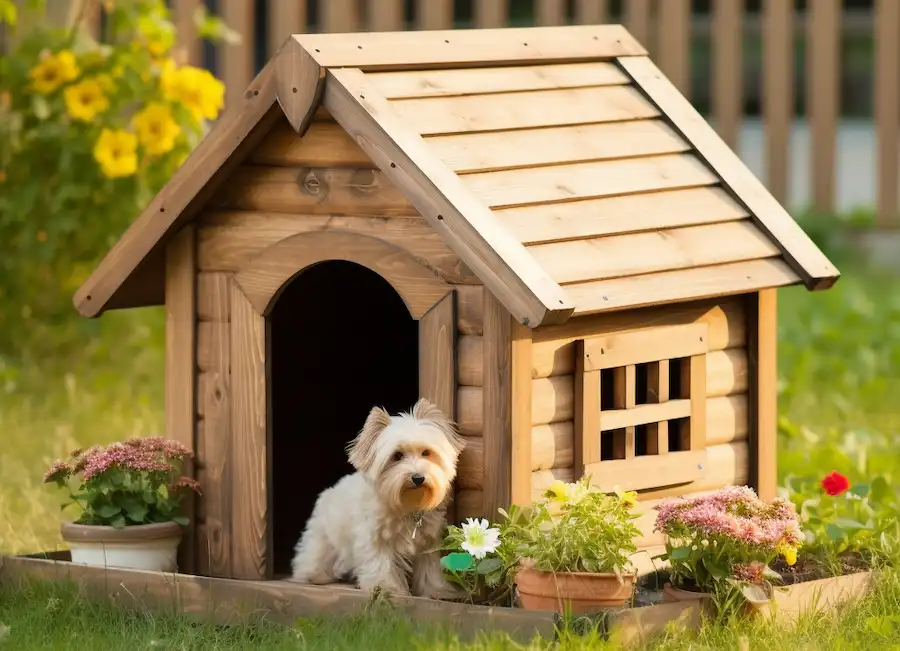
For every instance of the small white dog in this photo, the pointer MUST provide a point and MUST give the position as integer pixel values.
(383, 524)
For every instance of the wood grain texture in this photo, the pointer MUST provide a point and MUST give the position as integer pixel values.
(475, 81)
(469, 503)
(285, 19)
(643, 346)
(778, 94)
(464, 223)
(497, 410)
(250, 533)
(181, 373)
(680, 285)
(650, 471)
(228, 241)
(299, 82)
(527, 109)
(470, 469)
(520, 417)
(232, 138)
(552, 446)
(214, 442)
(558, 183)
(325, 144)
(313, 191)
(763, 355)
(470, 356)
(637, 254)
(263, 278)
(374, 51)
(727, 98)
(801, 253)
(229, 602)
(469, 309)
(631, 213)
(823, 81)
(586, 435)
(213, 302)
(502, 150)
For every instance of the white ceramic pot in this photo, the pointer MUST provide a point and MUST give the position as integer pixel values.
(139, 547)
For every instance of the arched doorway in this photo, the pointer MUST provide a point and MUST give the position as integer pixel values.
(340, 340)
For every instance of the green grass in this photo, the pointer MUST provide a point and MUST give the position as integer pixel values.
(839, 360)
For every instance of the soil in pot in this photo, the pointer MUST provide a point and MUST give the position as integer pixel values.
(581, 592)
(139, 547)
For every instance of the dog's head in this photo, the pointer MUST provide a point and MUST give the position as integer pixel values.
(411, 458)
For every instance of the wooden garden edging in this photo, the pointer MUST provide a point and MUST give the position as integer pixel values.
(640, 624)
(230, 601)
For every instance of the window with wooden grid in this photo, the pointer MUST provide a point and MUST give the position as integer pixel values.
(640, 407)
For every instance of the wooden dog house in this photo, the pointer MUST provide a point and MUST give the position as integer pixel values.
(530, 227)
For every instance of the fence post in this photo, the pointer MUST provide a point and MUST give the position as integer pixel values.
(887, 108)
(778, 92)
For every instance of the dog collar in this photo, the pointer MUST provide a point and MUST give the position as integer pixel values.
(417, 522)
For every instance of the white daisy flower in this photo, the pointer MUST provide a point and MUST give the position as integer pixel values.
(480, 537)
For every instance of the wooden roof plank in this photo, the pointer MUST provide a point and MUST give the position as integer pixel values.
(801, 253)
(498, 150)
(630, 213)
(460, 48)
(653, 251)
(410, 84)
(524, 110)
(228, 141)
(466, 224)
(682, 285)
(583, 180)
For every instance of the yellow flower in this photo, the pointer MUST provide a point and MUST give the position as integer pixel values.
(198, 90)
(789, 552)
(53, 71)
(84, 101)
(629, 497)
(156, 129)
(558, 491)
(116, 151)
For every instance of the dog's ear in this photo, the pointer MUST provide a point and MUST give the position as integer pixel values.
(361, 450)
(426, 410)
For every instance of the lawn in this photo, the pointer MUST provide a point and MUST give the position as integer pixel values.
(839, 377)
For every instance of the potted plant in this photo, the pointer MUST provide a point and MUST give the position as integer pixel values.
(574, 548)
(480, 561)
(130, 495)
(720, 546)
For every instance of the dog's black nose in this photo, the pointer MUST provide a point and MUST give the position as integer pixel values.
(418, 480)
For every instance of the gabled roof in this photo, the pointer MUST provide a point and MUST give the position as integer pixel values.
(558, 163)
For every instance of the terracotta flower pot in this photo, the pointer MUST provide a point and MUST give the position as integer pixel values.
(138, 547)
(672, 594)
(582, 592)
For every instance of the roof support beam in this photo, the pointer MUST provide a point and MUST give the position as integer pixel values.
(299, 82)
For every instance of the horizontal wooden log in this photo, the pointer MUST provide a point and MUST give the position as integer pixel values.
(213, 298)
(231, 602)
(213, 339)
(325, 144)
(726, 464)
(313, 190)
(647, 471)
(470, 411)
(726, 372)
(469, 307)
(228, 241)
(553, 351)
(552, 401)
(469, 503)
(644, 346)
(470, 467)
(470, 360)
(552, 445)
(727, 419)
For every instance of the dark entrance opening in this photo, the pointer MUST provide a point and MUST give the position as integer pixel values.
(340, 341)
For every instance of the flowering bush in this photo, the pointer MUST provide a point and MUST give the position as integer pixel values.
(135, 482)
(480, 561)
(723, 543)
(89, 133)
(846, 525)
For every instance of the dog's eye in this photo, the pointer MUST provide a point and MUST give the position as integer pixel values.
(426, 453)
(397, 456)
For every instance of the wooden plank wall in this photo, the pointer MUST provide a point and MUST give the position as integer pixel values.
(553, 398)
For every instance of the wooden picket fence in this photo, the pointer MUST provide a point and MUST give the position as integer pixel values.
(666, 28)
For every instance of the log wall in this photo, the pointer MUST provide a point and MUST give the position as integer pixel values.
(553, 399)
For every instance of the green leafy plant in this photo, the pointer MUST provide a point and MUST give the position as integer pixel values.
(575, 528)
(135, 482)
(89, 133)
(724, 542)
(480, 561)
(846, 526)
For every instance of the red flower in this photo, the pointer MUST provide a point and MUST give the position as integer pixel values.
(835, 483)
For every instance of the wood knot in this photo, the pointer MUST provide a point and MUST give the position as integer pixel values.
(363, 181)
(311, 184)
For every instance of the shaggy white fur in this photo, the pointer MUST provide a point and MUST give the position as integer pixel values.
(382, 525)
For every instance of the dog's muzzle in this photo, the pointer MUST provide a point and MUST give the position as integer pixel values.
(418, 480)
